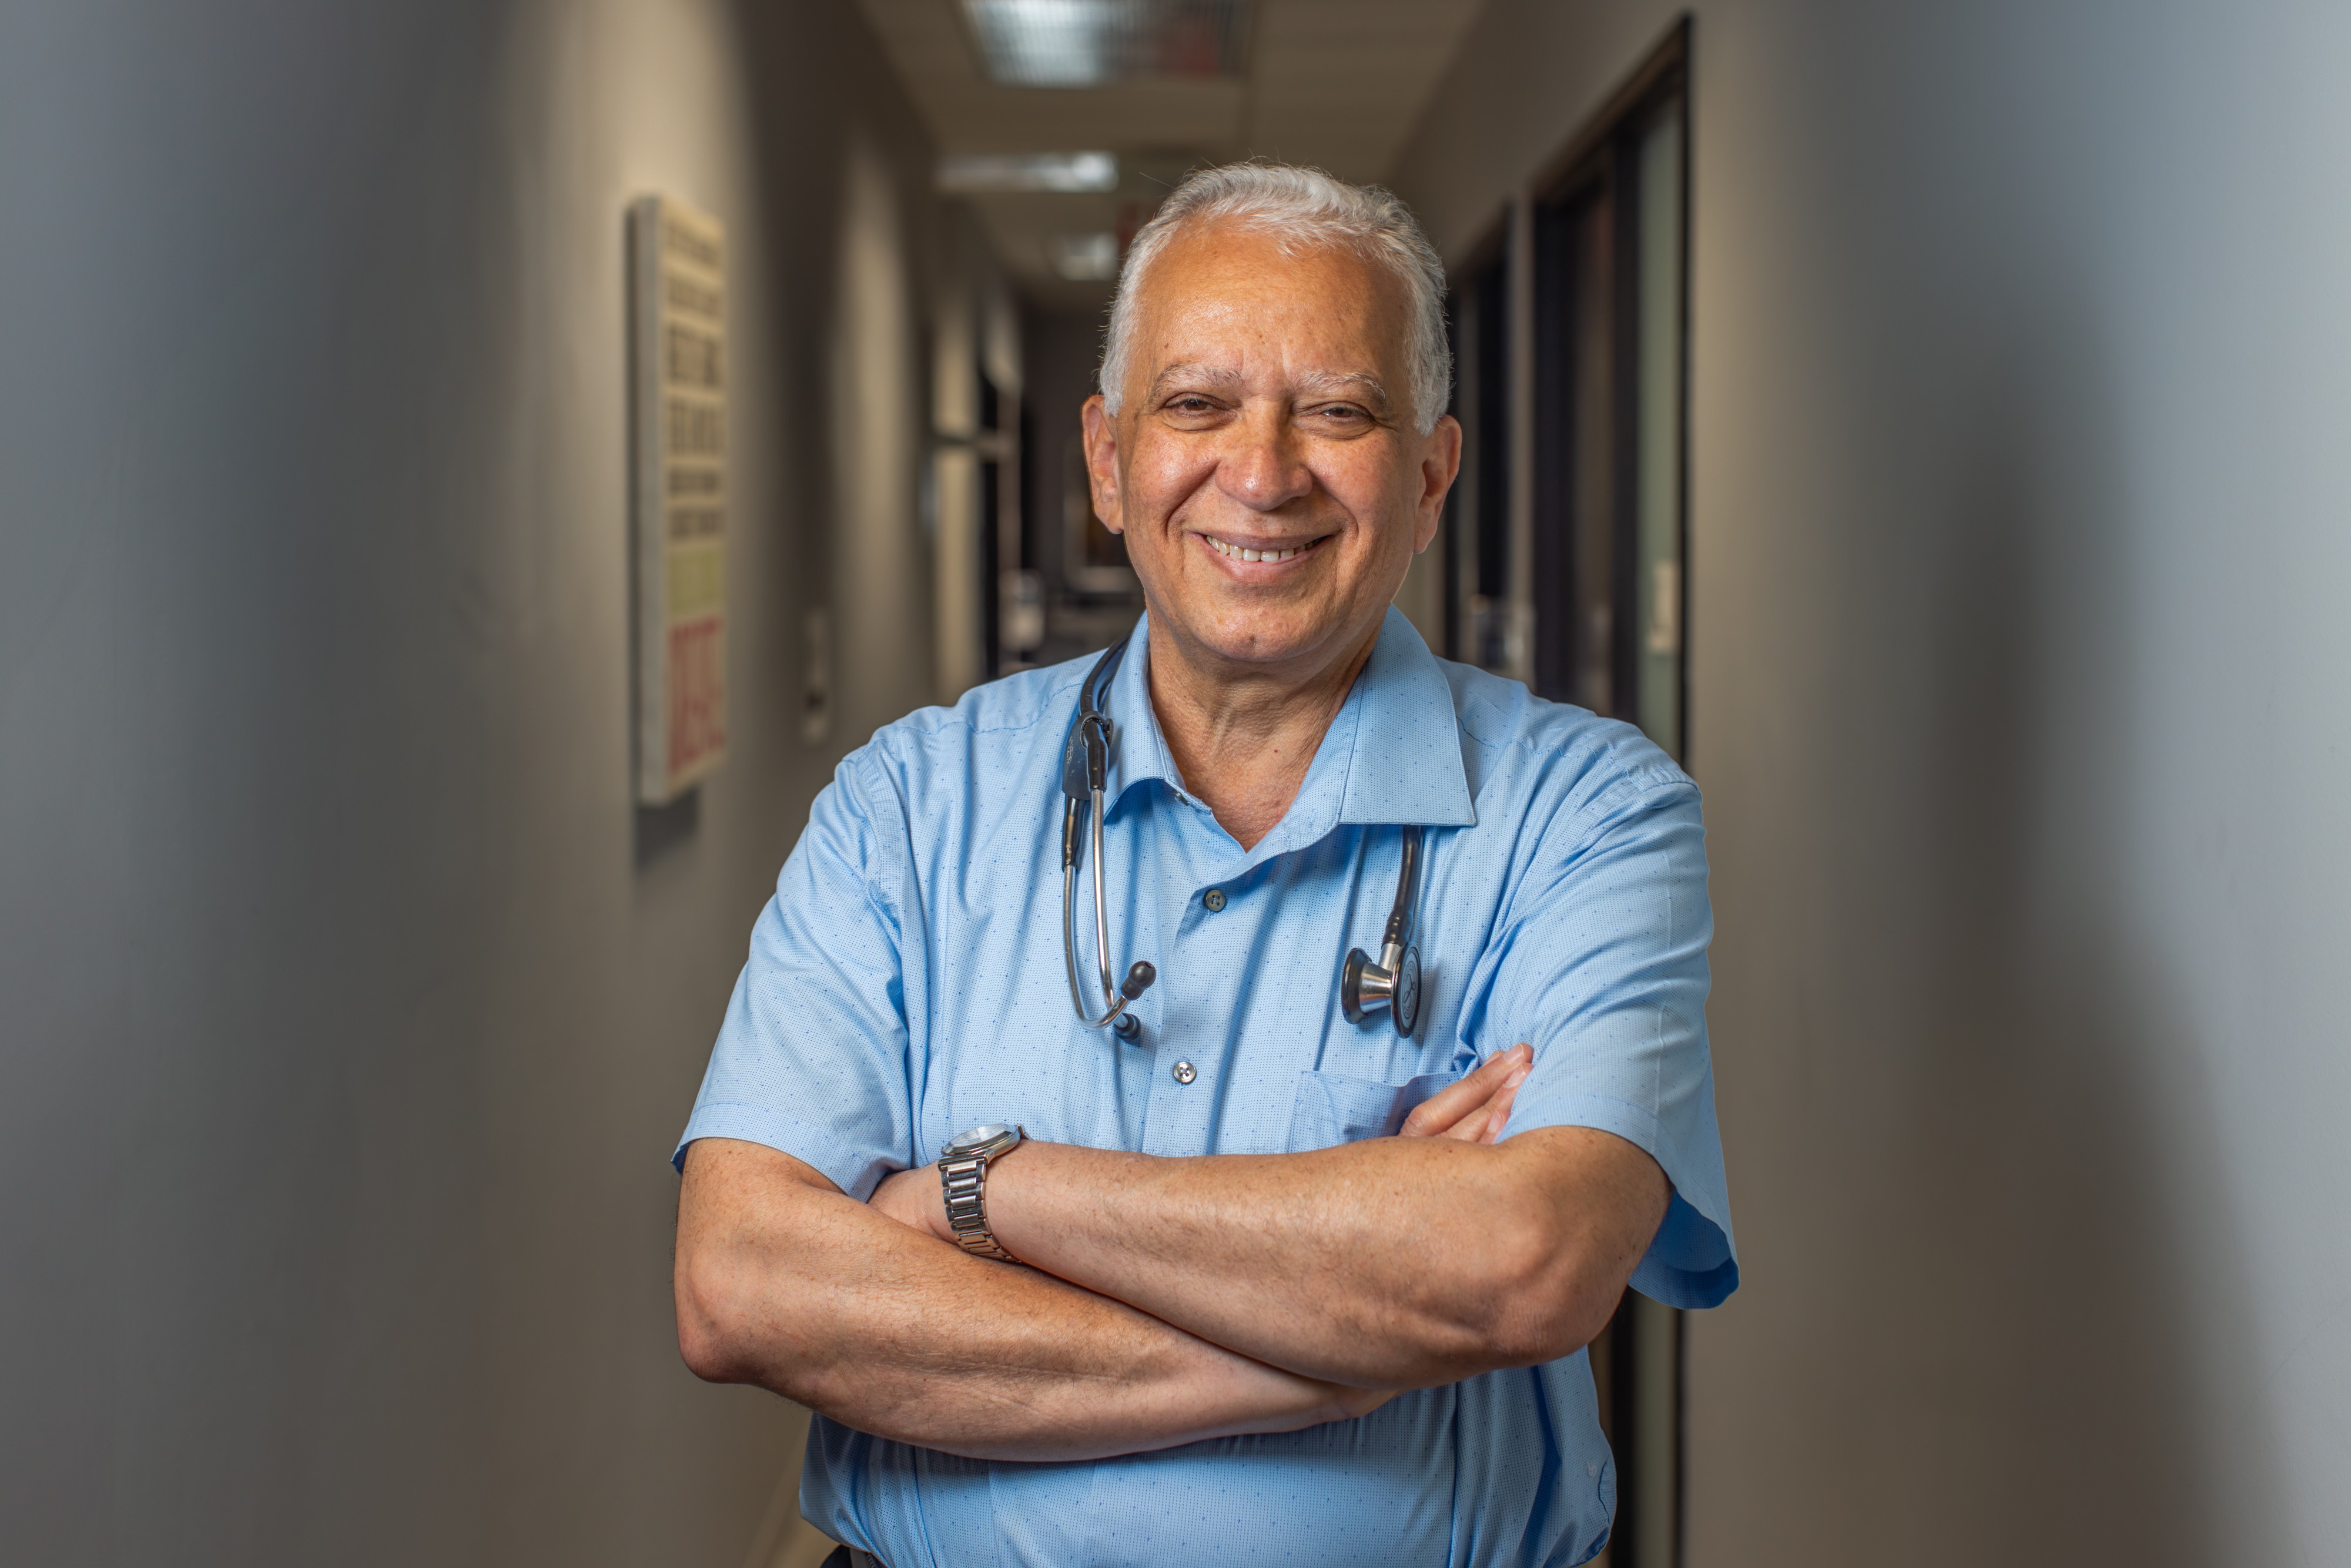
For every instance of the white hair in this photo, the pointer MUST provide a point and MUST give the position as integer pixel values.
(1300, 208)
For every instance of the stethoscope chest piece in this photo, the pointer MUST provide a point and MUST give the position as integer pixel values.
(1407, 1006)
(1366, 987)
(1393, 982)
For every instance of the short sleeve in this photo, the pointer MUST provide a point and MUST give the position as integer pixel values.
(1603, 971)
(812, 1057)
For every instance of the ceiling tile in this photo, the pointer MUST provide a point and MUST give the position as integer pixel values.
(1335, 83)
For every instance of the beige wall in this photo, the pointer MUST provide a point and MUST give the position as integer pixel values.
(2021, 361)
(347, 1009)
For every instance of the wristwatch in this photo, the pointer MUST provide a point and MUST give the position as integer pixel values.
(962, 1172)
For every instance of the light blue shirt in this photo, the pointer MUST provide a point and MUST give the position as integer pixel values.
(906, 983)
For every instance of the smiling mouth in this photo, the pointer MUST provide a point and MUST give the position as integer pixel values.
(1246, 552)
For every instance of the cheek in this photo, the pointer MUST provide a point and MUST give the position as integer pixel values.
(1162, 476)
(1369, 491)
(1148, 500)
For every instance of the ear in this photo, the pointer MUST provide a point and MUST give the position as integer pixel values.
(1440, 464)
(1102, 462)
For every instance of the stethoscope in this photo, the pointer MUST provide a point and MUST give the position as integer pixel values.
(1365, 987)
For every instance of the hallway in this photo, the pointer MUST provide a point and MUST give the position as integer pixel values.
(1926, 423)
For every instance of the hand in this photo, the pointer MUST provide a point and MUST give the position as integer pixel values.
(915, 1199)
(1475, 1109)
(1352, 1401)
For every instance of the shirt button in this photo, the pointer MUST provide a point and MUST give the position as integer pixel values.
(1184, 1073)
(1215, 901)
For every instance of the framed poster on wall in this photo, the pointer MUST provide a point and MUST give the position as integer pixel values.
(677, 287)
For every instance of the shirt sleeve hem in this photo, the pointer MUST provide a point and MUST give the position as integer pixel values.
(856, 1172)
(1691, 1262)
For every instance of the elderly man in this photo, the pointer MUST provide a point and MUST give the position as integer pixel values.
(1280, 1276)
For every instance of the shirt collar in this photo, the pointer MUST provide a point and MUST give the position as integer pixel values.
(1406, 766)
(1392, 754)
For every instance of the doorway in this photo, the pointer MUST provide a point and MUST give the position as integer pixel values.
(1610, 589)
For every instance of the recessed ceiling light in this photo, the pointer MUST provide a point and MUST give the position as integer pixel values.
(969, 174)
(1087, 43)
(1084, 258)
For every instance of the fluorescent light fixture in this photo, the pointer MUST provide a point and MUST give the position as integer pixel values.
(1089, 42)
(976, 174)
(1084, 258)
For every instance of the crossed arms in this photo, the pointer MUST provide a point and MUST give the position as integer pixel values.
(1170, 1300)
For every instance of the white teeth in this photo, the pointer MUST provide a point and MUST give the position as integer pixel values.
(1221, 547)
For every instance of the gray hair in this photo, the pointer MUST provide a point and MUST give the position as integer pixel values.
(1300, 208)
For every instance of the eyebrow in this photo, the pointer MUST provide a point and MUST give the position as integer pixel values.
(1323, 382)
(1192, 373)
(1314, 383)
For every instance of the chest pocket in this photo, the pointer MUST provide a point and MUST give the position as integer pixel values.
(1332, 1108)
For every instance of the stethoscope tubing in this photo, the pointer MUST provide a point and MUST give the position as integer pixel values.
(1111, 998)
(1365, 985)
(1085, 764)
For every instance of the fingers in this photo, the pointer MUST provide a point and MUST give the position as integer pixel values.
(1459, 1110)
(1498, 1109)
(1441, 1110)
(1471, 1128)
(1484, 1125)
(1447, 1113)
(1364, 1401)
(907, 1196)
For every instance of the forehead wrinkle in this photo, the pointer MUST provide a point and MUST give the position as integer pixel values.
(1310, 383)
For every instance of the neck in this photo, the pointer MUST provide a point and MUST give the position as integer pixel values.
(1242, 738)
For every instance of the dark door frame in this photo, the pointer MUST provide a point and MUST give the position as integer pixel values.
(1600, 164)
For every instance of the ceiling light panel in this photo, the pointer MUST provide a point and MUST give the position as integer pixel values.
(1084, 258)
(978, 173)
(1089, 42)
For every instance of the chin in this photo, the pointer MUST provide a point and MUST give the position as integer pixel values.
(1265, 636)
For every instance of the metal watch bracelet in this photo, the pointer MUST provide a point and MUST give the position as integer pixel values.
(964, 1179)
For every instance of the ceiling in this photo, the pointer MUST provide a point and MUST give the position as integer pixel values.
(1335, 83)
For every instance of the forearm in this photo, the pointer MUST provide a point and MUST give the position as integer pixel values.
(806, 1291)
(1395, 1262)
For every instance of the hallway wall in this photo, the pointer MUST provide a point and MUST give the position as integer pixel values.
(2023, 363)
(348, 1008)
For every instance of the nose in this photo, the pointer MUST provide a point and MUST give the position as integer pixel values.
(1263, 465)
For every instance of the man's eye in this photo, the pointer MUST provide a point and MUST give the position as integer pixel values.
(1191, 405)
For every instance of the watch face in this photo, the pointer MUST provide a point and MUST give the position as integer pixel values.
(984, 1134)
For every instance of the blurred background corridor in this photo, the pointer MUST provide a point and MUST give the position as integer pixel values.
(1931, 422)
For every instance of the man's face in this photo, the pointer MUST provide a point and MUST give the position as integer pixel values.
(1265, 414)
